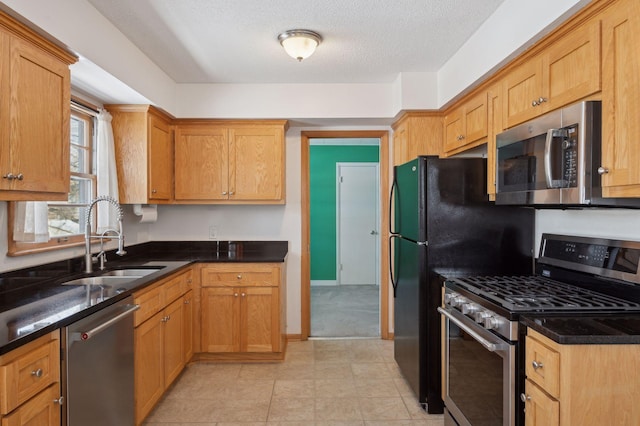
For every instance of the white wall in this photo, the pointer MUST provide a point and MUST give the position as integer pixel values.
(514, 26)
(622, 224)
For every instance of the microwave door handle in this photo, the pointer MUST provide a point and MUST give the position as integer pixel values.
(547, 157)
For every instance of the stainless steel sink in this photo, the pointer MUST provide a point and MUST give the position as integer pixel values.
(133, 272)
(102, 280)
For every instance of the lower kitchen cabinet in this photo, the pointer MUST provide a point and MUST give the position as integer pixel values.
(30, 383)
(243, 310)
(159, 339)
(571, 385)
(187, 323)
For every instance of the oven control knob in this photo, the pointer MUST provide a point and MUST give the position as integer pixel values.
(480, 316)
(469, 308)
(458, 301)
(491, 322)
(448, 297)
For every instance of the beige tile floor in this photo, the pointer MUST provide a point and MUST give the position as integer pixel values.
(321, 382)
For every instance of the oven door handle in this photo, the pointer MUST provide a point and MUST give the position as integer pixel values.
(491, 347)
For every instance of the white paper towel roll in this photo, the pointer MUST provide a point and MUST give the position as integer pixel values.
(147, 213)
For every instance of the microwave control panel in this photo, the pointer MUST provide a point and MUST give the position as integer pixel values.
(570, 156)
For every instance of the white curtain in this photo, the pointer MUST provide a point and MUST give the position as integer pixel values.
(107, 175)
(31, 223)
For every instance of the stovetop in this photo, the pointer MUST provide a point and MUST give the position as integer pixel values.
(535, 294)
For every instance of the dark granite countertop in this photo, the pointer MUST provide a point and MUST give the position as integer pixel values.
(34, 301)
(594, 329)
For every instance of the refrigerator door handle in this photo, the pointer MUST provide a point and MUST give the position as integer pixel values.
(393, 188)
(422, 243)
(394, 283)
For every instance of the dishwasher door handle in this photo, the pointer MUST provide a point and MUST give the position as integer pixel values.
(86, 335)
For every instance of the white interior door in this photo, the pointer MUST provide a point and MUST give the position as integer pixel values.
(358, 222)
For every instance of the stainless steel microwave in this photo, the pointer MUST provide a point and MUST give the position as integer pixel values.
(554, 160)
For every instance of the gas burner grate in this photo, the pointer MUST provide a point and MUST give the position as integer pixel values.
(522, 293)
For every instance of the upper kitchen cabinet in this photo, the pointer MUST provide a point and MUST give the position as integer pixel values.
(230, 162)
(35, 99)
(144, 153)
(564, 72)
(621, 100)
(495, 124)
(466, 125)
(416, 133)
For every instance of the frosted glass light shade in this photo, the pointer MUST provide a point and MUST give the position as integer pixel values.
(299, 44)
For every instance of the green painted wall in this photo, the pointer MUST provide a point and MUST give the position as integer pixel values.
(322, 202)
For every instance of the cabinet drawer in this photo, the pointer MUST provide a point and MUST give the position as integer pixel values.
(150, 303)
(29, 374)
(174, 288)
(254, 277)
(540, 409)
(543, 366)
(43, 410)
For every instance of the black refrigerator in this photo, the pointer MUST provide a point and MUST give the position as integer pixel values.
(444, 225)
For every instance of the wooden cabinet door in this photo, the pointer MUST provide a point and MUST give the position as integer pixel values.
(173, 323)
(160, 159)
(187, 322)
(256, 163)
(38, 122)
(201, 163)
(400, 144)
(621, 100)
(259, 326)
(41, 410)
(453, 130)
(475, 119)
(540, 409)
(571, 67)
(520, 88)
(220, 311)
(148, 367)
(495, 126)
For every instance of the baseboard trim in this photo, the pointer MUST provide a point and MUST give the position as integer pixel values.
(295, 338)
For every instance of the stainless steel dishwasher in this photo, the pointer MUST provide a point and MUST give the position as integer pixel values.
(97, 368)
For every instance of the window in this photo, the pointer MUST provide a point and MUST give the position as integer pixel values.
(66, 219)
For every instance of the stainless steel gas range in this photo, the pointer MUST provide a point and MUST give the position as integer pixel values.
(484, 353)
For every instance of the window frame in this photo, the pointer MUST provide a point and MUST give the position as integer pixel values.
(19, 248)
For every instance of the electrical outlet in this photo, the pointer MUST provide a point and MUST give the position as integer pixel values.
(213, 232)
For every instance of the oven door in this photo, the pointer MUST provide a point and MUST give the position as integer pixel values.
(480, 371)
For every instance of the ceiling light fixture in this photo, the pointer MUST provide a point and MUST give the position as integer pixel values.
(299, 44)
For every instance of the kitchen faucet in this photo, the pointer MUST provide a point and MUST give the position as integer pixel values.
(88, 259)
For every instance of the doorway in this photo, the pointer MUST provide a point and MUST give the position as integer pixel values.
(382, 290)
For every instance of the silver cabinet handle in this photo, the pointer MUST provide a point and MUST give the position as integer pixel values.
(235, 294)
(59, 400)
(11, 176)
(224, 192)
(37, 373)
(525, 398)
(602, 170)
(537, 365)
(230, 192)
(186, 302)
(239, 276)
(534, 103)
(244, 294)
(541, 100)
(154, 191)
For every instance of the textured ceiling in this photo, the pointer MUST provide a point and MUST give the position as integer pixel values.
(234, 41)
